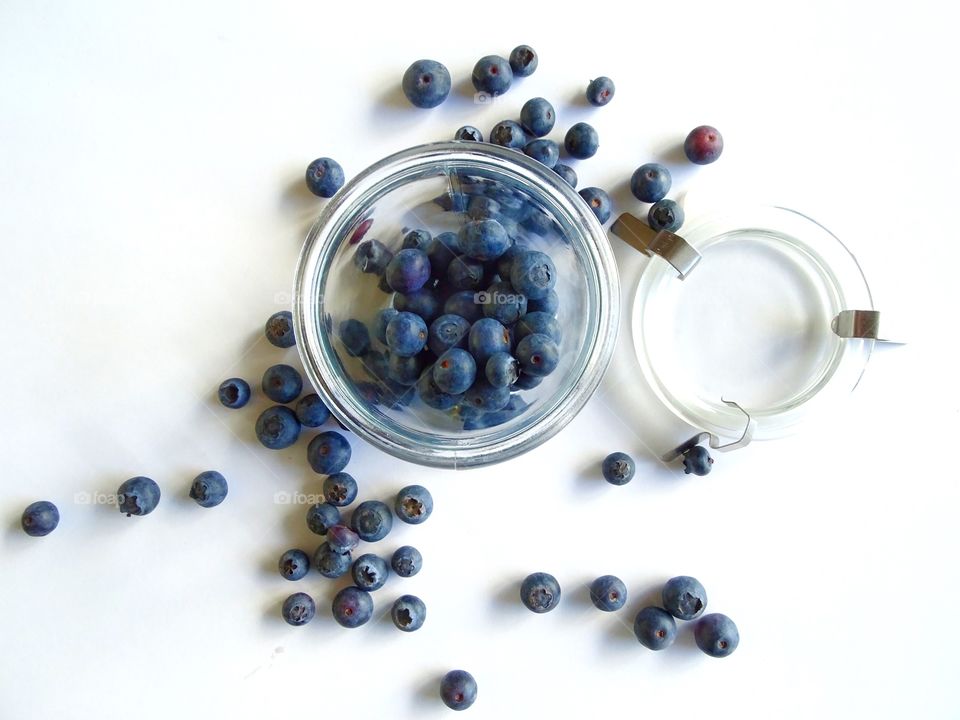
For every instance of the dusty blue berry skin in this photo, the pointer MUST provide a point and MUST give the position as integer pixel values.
(369, 572)
(505, 261)
(544, 151)
(468, 133)
(458, 690)
(454, 371)
(355, 337)
(381, 321)
(467, 274)
(684, 597)
(426, 83)
(311, 412)
(697, 460)
(600, 91)
(441, 251)
(492, 75)
(324, 177)
(339, 489)
(567, 173)
(527, 382)
(405, 370)
(537, 117)
(40, 518)
(209, 489)
(540, 592)
(406, 334)
(703, 145)
(329, 562)
(352, 607)
(277, 427)
(599, 202)
(371, 520)
(483, 240)
(487, 337)
(549, 304)
(422, 302)
(298, 609)
(413, 504)
(294, 564)
(321, 517)
(618, 468)
(538, 355)
(482, 420)
(523, 60)
(138, 496)
(650, 182)
(408, 613)
(501, 370)
(281, 383)
(608, 593)
(417, 238)
(279, 329)
(538, 322)
(716, 635)
(342, 539)
(409, 270)
(482, 207)
(502, 303)
(432, 396)
(372, 256)
(484, 396)
(508, 134)
(655, 628)
(328, 453)
(448, 330)
(665, 215)
(406, 561)
(464, 304)
(533, 274)
(581, 141)
(234, 393)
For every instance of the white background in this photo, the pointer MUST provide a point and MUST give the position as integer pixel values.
(151, 211)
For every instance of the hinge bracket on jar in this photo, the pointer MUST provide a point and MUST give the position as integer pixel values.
(672, 248)
(714, 440)
(864, 324)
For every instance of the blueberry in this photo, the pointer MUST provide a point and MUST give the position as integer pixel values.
(452, 202)
(340, 489)
(537, 117)
(482, 207)
(138, 496)
(426, 83)
(413, 504)
(608, 593)
(406, 334)
(405, 371)
(538, 322)
(234, 393)
(279, 329)
(463, 303)
(458, 690)
(328, 453)
(281, 383)
(523, 60)
(40, 518)
(377, 365)
(381, 321)
(329, 562)
(514, 408)
(503, 304)
(484, 396)
(324, 177)
(209, 488)
(352, 607)
(372, 256)
(540, 592)
(298, 609)
(418, 239)
(311, 412)
(294, 564)
(483, 240)
(665, 215)
(581, 141)
(533, 274)
(538, 354)
(487, 337)
(409, 270)
(450, 330)
(567, 173)
(501, 370)
(650, 182)
(277, 427)
(599, 202)
(355, 337)
(703, 145)
(527, 382)
(441, 252)
(544, 151)
(369, 572)
(406, 561)
(468, 133)
(408, 613)
(505, 261)
(600, 91)
(454, 371)
(548, 304)
(492, 75)
(322, 516)
(618, 468)
(655, 628)
(433, 396)
(508, 134)
(372, 520)
(716, 635)
(684, 597)
(342, 539)
(697, 460)
(466, 274)
(422, 302)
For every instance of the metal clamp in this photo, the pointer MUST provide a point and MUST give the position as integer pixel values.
(714, 440)
(864, 324)
(672, 248)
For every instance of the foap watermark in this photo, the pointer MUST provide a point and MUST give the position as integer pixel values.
(285, 497)
(95, 498)
(485, 297)
(484, 98)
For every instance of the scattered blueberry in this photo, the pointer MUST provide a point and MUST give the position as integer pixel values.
(279, 329)
(650, 182)
(298, 609)
(492, 75)
(342, 539)
(321, 517)
(294, 564)
(703, 145)
(665, 215)
(544, 151)
(458, 690)
(540, 592)
(697, 460)
(618, 468)
(355, 337)
(655, 628)
(329, 562)
(538, 354)
(508, 134)
(406, 333)
(234, 393)
(369, 572)
(501, 370)
(469, 133)
(537, 117)
(372, 256)
(281, 383)
(487, 337)
(567, 173)
(684, 597)
(523, 60)
(371, 520)
(426, 83)
(409, 270)
(352, 607)
(277, 427)
(406, 561)
(483, 240)
(340, 489)
(533, 274)
(311, 412)
(716, 635)
(414, 504)
(138, 496)
(324, 177)
(381, 321)
(538, 322)
(600, 91)
(408, 613)
(581, 141)
(328, 453)
(209, 488)
(40, 518)
(608, 593)
(599, 202)
(449, 330)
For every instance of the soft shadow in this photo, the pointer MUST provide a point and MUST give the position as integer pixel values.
(588, 478)
(296, 198)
